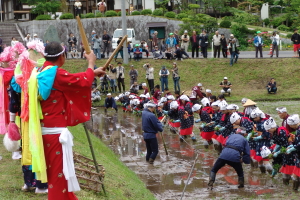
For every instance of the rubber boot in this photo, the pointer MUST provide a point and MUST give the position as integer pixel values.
(241, 182)
(295, 185)
(193, 138)
(212, 179)
(151, 161)
(181, 139)
(285, 181)
(274, 172)
(262, 169)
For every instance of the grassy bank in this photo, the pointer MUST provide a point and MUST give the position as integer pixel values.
(249, 77)
(120, 182)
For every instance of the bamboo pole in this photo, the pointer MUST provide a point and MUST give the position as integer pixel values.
(88, 51)
(115, 52)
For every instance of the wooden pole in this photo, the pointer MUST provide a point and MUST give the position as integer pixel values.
(83, 36)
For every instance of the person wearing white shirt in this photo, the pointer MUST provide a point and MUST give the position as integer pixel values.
(149, 75)
(185, 38)
(102, 6)
(13, 41)
(77, 7)
(275, 43)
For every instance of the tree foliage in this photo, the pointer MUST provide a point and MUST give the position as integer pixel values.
(43, 6)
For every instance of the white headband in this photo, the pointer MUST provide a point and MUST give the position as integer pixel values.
(270, 123)
(281, 109)
(293, 119)
(196, 107)
(174, 105)
(47, 55)
(257, 113)
(184, 97)
(205, 101)
(234, 117)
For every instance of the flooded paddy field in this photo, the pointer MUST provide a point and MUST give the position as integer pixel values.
(166, 179)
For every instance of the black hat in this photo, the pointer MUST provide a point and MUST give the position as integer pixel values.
(119, 63)
(295, 29)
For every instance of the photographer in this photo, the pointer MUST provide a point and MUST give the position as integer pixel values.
(275, 42)
(120, 72)
(112, 77)
(134, 88)
(133, 74)
(185, 38)
(164, 74)
(149, 75)
(121, 49)
(72, 40)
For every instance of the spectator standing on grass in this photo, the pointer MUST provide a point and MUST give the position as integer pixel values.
(185, 38)
(275, 43)
(271, 87)
(120, 72)
(204, 43)
(234, 52)
(72, 40)
(176, 77)
(112, 77)
(194, 39)
(258, 43)
(97, 46)
(217, 44)
(171, 42)
(130, 49)
(164, 74)
(36, 38)
(223, 45)
(121, 49)
(296, 40)
(226, 86)
(149, 75)
(106, 42)
(133, 74)
(176, 36)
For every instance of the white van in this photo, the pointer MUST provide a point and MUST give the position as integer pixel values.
(119, 33)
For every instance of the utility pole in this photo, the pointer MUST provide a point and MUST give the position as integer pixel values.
(124, 27)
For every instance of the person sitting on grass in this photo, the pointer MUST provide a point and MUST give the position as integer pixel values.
(95, 94)
(137, 53)
(157, 54)
(271, 87)
(74, 52)
(110, 103)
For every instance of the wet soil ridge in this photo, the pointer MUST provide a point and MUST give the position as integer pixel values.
(166, 178)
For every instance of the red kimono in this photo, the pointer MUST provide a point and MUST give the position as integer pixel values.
(5, 78)
(69, 104)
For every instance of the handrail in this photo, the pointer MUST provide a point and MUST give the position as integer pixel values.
(19, 31)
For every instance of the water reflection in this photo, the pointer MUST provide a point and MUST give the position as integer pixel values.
(166, 179)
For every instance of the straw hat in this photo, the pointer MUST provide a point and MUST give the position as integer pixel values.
(33, 55)
(249, 102)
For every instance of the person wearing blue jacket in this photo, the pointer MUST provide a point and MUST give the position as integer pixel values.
(151, 126)
(110, 103)
(235, 152)
(258, 43)
(137, 53)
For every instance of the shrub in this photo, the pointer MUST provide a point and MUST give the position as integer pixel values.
(158, 12)
(225, 24)
(120, 13)
(43, 17)
(67, 16)
(283, 28)
(194, 6)
(135, 13)
(267, 21)
(146, 12)
(289, 35)
(277, 21)
(82, 16)
(89, 15)
(110, 13)
(240, 32)
(99, 14)
(182, 15)
(170, 14)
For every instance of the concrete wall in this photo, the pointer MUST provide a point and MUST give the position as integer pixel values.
(65, 27)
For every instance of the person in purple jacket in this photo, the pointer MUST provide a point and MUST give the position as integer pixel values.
(151, 126)
(235, 152)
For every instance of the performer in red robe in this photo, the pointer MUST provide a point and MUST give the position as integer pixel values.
(68, 104)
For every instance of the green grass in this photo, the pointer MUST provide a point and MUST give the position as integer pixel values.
(120, 181)
(249, 77)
